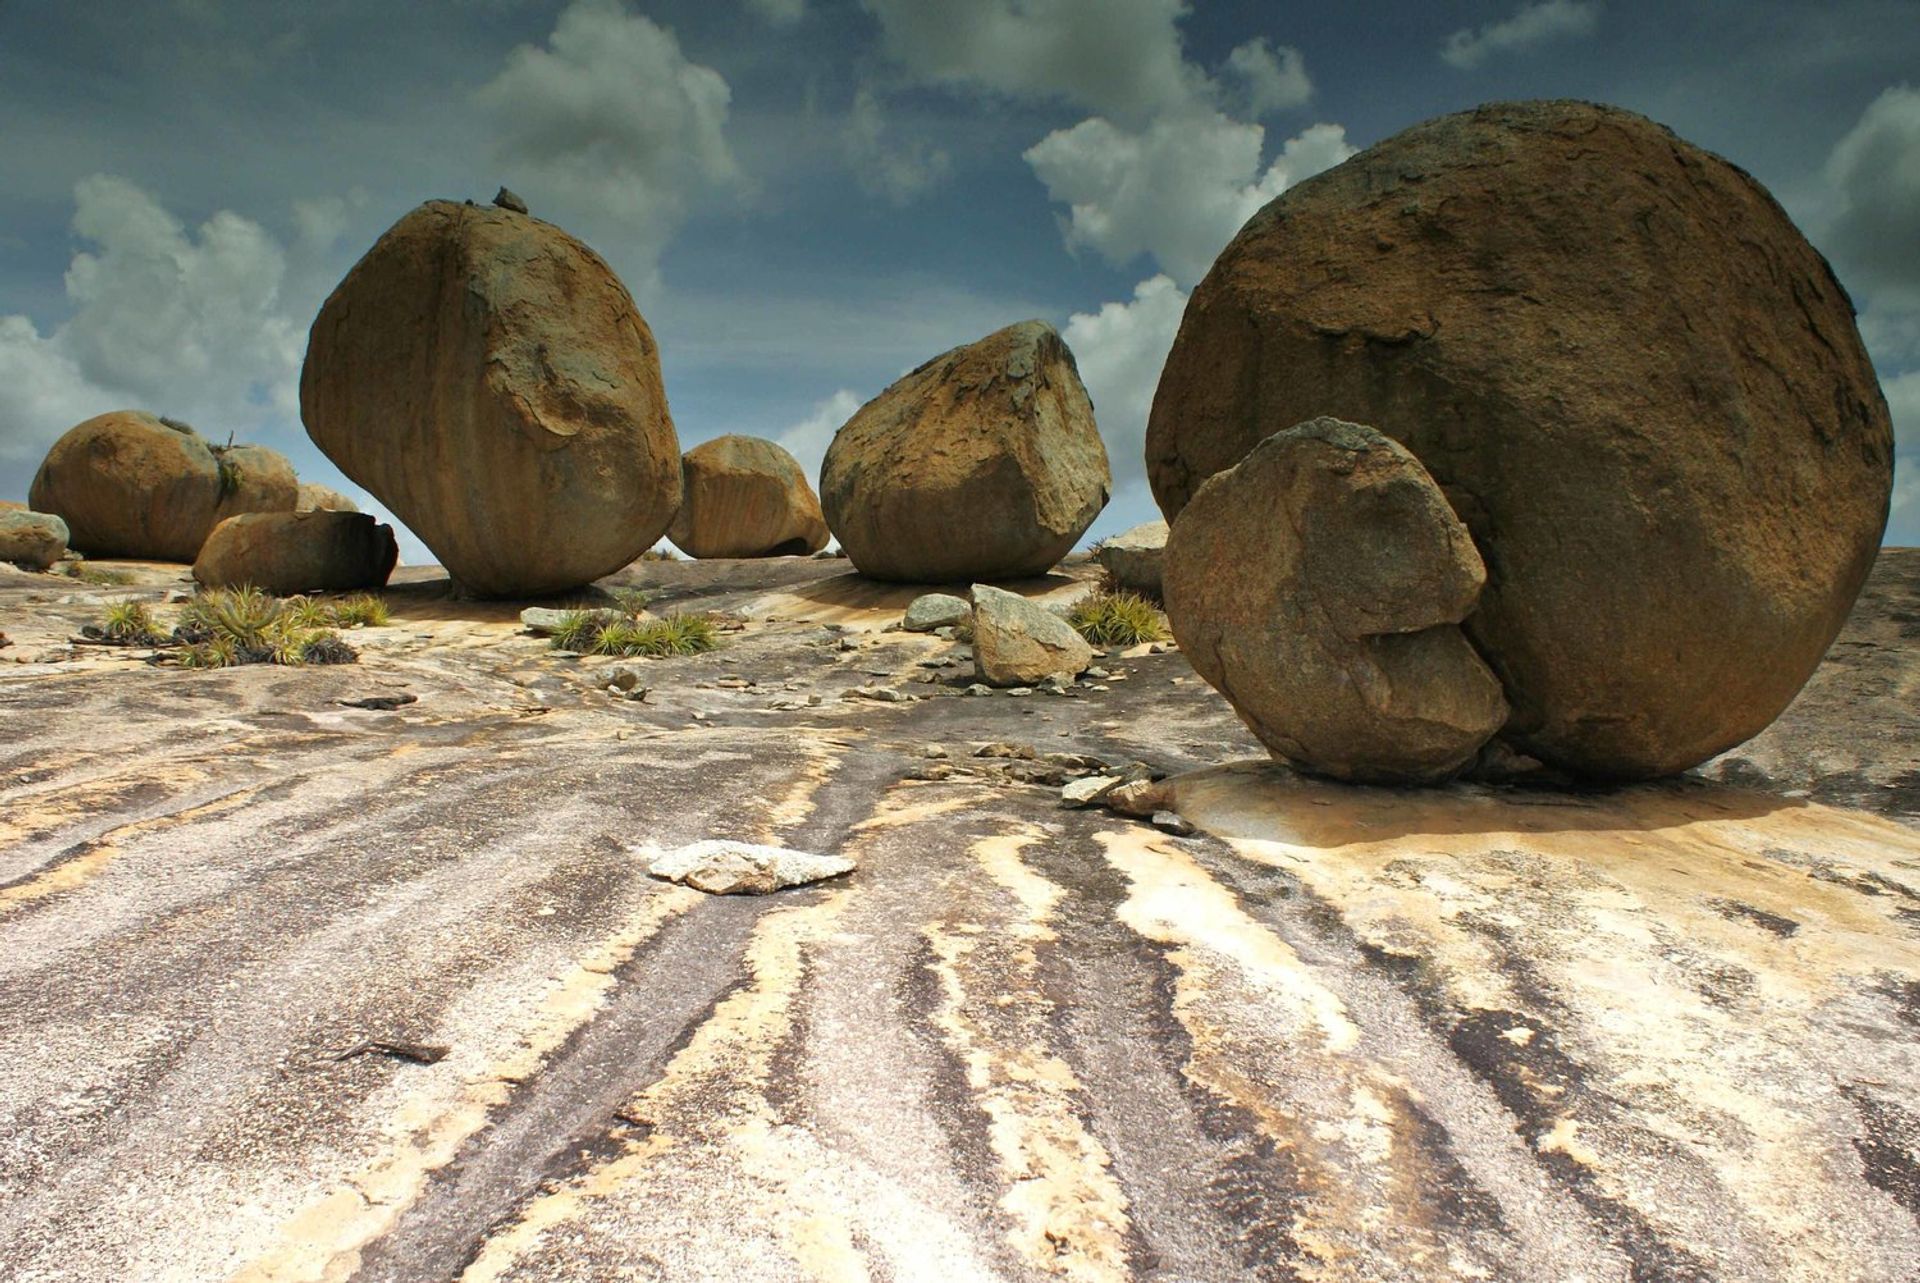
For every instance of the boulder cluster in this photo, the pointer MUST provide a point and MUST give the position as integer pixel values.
(1624, 463)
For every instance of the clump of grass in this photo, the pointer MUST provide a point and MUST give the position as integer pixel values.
(677, 634)
(215, 652)
(362, 610)
(1117, 619)
(131, 624)
(245, 615)
(308, 613)
(224, 626)
(98, 576)
(631, 602)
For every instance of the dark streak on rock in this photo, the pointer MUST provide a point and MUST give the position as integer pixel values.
(1887, 1147)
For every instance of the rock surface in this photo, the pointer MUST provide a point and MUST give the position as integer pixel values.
(35, 540)
(984, 463)
(720, 867)
(1641, 387)
(317, 498)
(488, 379)
(746, 497)
(1016, 643)
(1319, 585)
(285, 553)
(129, 484)
(1133, 558)
(935, 610)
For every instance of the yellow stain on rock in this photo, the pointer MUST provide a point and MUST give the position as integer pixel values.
(78, 870)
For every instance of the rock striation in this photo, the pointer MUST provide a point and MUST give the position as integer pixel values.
(746, 497)
(284, 553)
(1642, 390)
(129, 484)
(487, 377)
(1319, 584)
(984, 463)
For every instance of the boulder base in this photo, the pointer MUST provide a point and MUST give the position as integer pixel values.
(746, 497)
(1642, 389)
(984, 463)
(296, 552)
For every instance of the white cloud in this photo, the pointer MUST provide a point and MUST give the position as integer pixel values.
(611, 126)
(1120, 350)
(1874, 175)
(1177, 190)
(1116, 57)
(808, 439)
(781, 13)
(1530, 25)
(898, 171)
(190, 324)
(1274, 79)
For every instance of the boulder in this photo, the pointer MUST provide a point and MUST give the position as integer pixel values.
(296, 552)
(1641, 387)
(488, 379)
(984, 463)
(746, 497)
(1319, 585)
(315, 498)
(129, 484)
(934, 610)
(1132, 558)
(1016, 643)
(32, 539)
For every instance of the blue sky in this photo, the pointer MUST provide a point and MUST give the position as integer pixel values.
(809, 197)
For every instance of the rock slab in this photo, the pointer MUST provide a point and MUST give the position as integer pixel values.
(35, 540)
(284, 553)
(1641, 387)
(746, 497)
(1319, 584)
(1016, 643)
(1133, 558)
(934, 610)
(721, 867)
(129, 484)
(488, 378)
(984, 463)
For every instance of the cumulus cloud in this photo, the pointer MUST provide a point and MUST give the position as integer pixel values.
(1530, 25)
(186, 323)
(1120, 350)
(898, 170)
(1117, 57)
(611, 126)
(808, 439)
(1874, 174)
(781, 13)
(1273, 79)
(1177, 190)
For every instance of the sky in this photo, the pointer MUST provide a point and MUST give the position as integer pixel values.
(810, 197)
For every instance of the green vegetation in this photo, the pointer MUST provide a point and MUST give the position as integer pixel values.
(224, 626)
(1118, 619)
(98, 576)
(131, 624)
(594, 632)
(362, 610)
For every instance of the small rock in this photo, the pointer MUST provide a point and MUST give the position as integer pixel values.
(945, 632)
(1141, 798)
(1023, 752)
(884, 694)
(1076, 761)
(848, 643)
(506, 199)
(380, 703)
(1020, 692)
(934, 771)
(979, 688)
(1016, 642)
(934, 611)
(933, 751)
(1172, 822)
(1097, 673)
(720, 867)
(1087, 791)
(623, 677)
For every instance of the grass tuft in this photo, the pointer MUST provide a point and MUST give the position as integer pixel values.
(362, 610)
(224, 626)
(98, 576)
(131, 623)
(1118, 619)
(677, 634)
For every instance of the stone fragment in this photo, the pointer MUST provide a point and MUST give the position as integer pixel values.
(721, 867)
(935, 610)
(1089, 789)
(33, 540)
(1132, 558)
(1017, 643)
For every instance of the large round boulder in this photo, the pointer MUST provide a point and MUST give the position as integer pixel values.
(488, 379)
(984, 463)
(297, 552)
(129, 484)
(1642, 389)
(746, 497)
(34, 540)
(1319, 585)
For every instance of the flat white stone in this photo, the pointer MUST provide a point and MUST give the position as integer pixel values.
(722, 867)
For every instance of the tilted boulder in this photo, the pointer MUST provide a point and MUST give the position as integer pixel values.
(129, 484)
(297, 552)
(1132, 558)
(1642, 389)
(1319, 585)
(746, 497)
(934, 610)
(1016, 643)
(32, 539)
(984, 463)
(488, 379)
(317, 498)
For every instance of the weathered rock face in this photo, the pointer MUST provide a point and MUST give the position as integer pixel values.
(1319, 585)
(1133, 557)
(1640, 386)
(488, 379)
(746, 497)
(131, 485)
(1016, 643)
(296, 552)
(316, 498)
(32, 539)
(984, 463)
